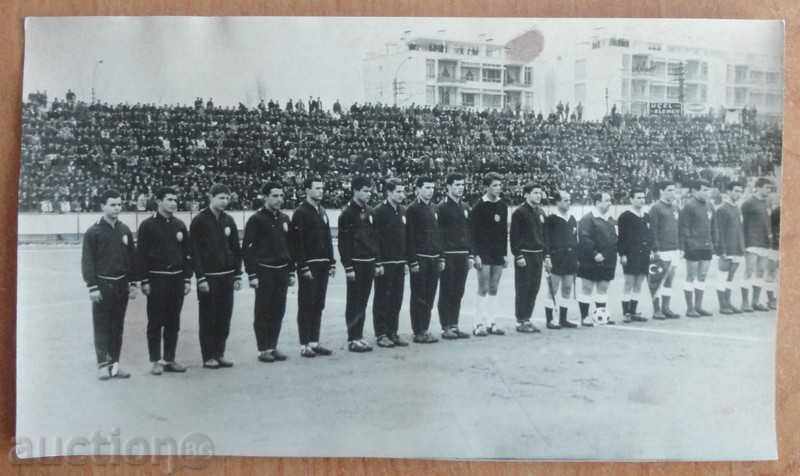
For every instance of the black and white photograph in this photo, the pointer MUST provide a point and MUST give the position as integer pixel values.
(399, 237)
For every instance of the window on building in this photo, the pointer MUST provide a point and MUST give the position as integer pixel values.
(626, 63)
(657, 92)
(528, 75)
(430, 68)
(528, 100)
(580, 70)
(619, 42)
(741, 73)
(493, 51)
(673, 93)
(729, 77)
(772, 78)
(430, 95)
(491, 75)
(468, 99)
(626, 85)
(740, 96)
(703, 93)
(704, 70)
(654, 47)
(729, 96)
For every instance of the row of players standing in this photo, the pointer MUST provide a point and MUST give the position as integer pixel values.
(438, 245)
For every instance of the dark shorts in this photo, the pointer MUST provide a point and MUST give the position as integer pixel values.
(638, 263)
(698, 255)
(492, 260)
(593, 272)
(564, 262)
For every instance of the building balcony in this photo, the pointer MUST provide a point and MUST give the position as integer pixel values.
(450, 80)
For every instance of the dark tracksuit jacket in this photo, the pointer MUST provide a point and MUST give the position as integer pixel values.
(165, 263)
(694, 223)
(756, 223)
(390, 225)
(217, 259)
(358, 250)
(664, 226)
(561, 243)
(108, 264)
(457, 247)
(728, 233)
(267, 257)
(634, 241)
(312, 250)
(527, 241)
(424, 249)
(596, 234)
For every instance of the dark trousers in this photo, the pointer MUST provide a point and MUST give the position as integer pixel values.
(216, 308)
(108, 318)
(526, 283)
(423, 293)
(311, 301)
(164, 306)
(270, 306)
(451, 288)
(388, 299)
(358, 292)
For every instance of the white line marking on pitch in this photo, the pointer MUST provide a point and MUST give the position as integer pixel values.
(688, 333)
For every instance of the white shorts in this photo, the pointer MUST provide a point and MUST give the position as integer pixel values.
(759, 251)
(673, 256)
(774, 255)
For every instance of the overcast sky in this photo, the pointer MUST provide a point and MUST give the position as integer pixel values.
(175, 59)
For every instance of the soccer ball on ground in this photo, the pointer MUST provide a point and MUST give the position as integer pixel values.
(600, 316)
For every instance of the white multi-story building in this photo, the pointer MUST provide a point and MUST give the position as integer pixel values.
(440, 72)
(637, 76)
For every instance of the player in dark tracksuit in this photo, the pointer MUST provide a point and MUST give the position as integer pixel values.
(425, 260)
(729, 243)
(457, 248)
(597, 255)
(390, 225)
(358, 250)
(561, 259)
(165, 257)
(634, 246)
(527, 247)
(270, 270)
(312, 250)
(108, 266)
(489, 227)
(217, 260)
(694, 225)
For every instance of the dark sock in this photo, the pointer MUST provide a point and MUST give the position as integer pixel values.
(562, 314)
(756, 294)
(656, 305)
(632, 306)
(771, 296)
(598, 305)
(665, 303)
(626, 305)
(721, 298)
(548, 312)
(689, 295)
(745, 301)
(698, 299)
(584, 309)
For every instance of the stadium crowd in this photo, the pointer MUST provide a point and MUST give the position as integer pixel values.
(71, 151)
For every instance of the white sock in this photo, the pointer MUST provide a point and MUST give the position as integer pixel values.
(480, 310)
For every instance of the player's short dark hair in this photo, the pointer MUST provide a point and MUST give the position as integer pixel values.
(698, 184)
(763, 181)
(453, 177)
(270, 186)
(392, 184)
(598, 196)
(528, 187)
(489, 178)
(359, 182)
(423, 180)
(219, 188)
(162, 192)
(309, 182)
(636, 190)
(661, 186)
(110, 193)
(559, 196)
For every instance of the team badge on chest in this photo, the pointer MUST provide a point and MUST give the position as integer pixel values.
(541, 218)
(325, 219)
(227, 231)
(404, 220)
(285, 227)
(179, 236)
(710, 214)
(466, 214)
(675, 213)
(436, 216)
(497, 218)
(125, 240)
(370, 219)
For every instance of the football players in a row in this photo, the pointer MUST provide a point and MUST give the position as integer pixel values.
(437, 244)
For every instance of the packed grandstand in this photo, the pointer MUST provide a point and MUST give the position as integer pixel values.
(71, 150)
